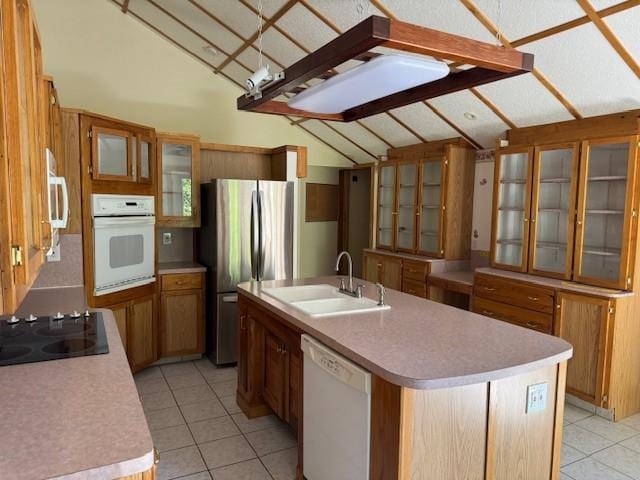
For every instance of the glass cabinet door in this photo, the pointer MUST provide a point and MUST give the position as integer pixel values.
(430, 213)
(512, 202)
(603, 222)
(553, 210)
(112, 154)
(386, 206)
(145, 160)
(407, 200)
(177, 162)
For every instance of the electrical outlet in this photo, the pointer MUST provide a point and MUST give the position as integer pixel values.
(55, 254)
(166, 238)
(537, 397)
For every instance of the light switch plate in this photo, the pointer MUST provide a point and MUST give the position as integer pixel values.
(537, 397)
(166, 238)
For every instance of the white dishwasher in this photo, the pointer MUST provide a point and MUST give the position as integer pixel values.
(337, 415)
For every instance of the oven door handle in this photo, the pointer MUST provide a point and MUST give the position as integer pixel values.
(101, 222)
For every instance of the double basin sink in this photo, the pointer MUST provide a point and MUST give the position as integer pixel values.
(323, 300)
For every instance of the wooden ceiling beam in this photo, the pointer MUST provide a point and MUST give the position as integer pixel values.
(608, 34)
(493, 29)
(349, 140)
(493, 107)
(284, 9)
(453, 125)
(605, 12)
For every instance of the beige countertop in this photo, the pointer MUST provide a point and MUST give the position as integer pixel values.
(418, 343)
(48, 301)
(562, 285)
(464, 277)
(180, 267)
(73, 419)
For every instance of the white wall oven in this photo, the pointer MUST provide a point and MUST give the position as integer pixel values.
(123, 241)
(58, 205)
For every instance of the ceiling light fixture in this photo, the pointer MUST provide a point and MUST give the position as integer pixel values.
(210, 50)
(377, 78)
(384, 82)
(470, 115)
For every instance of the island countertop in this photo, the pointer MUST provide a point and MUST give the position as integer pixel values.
(418, 343)
(74, 418)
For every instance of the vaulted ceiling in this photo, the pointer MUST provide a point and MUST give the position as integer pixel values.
(587, 56)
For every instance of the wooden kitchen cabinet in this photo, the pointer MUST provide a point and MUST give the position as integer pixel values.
(383, 269)
(424, 199)
(269, 365)
(141, 333)
(181, 323)
(566, 204)
(178, 164)
(24, 230)
(136, 322)
(584, 322)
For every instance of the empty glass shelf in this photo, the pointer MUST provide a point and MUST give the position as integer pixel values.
(430, 206)
(605, 212)
(431, 184)
(601, 251)
(553, 210)
(509, 242)
(555, 180)
(514, 181)
(428, 233)
(608, 178)
(511, 209)
(552, 245)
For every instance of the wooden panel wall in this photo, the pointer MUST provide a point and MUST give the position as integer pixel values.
(322, 202)
(459, 201)
(448, 434)
(240, 165)
(68, 165)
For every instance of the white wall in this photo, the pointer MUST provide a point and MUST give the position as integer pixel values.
(482, 202)
(107, 62)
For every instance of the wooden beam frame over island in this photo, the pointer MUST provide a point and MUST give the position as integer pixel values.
(490, 62)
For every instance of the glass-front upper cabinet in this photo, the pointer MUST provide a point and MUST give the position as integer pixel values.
(430, 212)
(407, 206)
(555, 177)
(512, 186)
(179, 185)
(386, 206)
(605, 211)
(112, 153)
(145, 156)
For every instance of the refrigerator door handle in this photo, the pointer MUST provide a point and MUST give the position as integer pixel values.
(255, 235)
(262, 244)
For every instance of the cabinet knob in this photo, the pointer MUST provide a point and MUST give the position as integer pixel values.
(488, 313)
(533, 299)
(489, 289)
(531, 325)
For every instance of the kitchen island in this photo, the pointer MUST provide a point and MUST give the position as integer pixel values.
(75, 418)
(449, 387)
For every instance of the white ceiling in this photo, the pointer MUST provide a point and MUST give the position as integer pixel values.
(586, 71)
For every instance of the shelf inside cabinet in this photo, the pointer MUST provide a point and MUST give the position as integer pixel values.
(431, 184)
(407, 186)
(608, 178)
(553, 210)
(601, 251)
(429, 233)
(551, 245)
(605, 212)
(555, 180)
(511, 209)
(431, 207)
(509, 242)
(513, 182)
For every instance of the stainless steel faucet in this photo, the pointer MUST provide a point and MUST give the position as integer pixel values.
(349, 290)
(380, 288)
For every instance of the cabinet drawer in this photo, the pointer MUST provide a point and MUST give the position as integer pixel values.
(518, 316)
(181, 281)
(419, 289)
(514, 293)
(414, 270)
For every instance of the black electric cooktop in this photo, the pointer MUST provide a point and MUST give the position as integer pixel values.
(50, 338)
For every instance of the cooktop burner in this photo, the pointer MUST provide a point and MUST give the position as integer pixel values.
(51, 338)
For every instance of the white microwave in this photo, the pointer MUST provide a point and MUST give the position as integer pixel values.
(58, 211)
(123, 241)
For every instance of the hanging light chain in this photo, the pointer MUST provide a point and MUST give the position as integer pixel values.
(499, 29)
(260, 18)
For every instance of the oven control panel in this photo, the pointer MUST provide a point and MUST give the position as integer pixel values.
(104, 205)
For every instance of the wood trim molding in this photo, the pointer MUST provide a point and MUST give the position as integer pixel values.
(222, 147)
(605, 12)
(608, 34)
(284, 9)
(453, 125)
(125, 6)
(492, 107)
(493, 29)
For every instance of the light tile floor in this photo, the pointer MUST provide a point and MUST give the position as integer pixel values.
(201, 433)
(596, 449)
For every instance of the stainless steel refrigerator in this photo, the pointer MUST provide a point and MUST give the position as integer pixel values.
(246, 234)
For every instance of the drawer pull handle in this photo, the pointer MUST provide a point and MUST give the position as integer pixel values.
(489, 289)
(488, 313)
(533, 299)
(412, 292)
(531, 325)
(379, 265)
